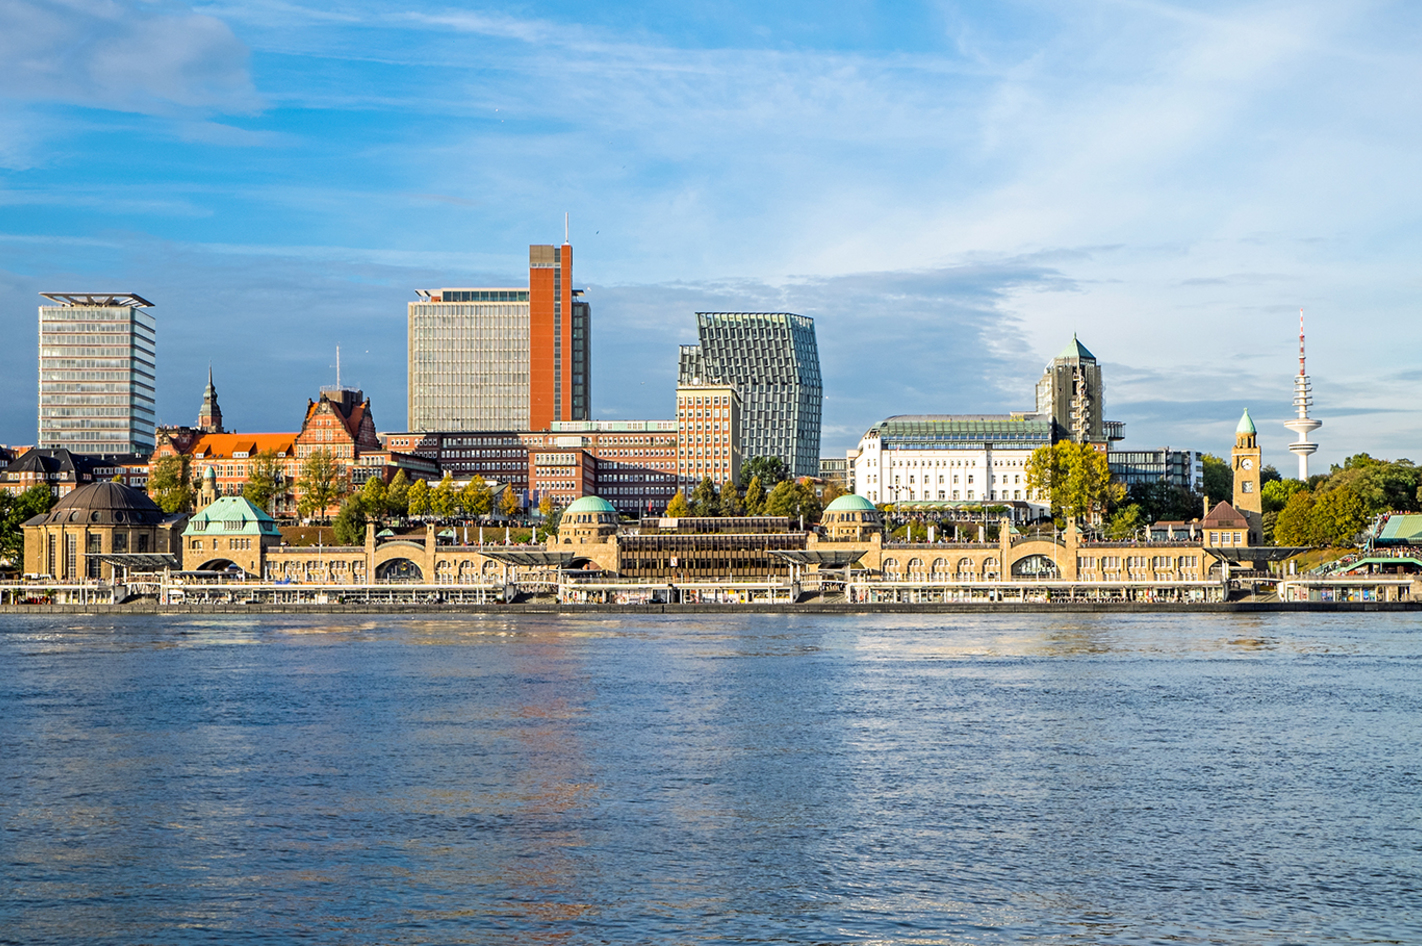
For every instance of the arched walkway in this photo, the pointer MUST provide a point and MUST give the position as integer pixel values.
(399, 569)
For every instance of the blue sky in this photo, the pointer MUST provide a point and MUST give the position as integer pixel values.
(950, 189)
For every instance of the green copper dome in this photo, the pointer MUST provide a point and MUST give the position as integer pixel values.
(1246, 426)
(850, 502)
(590, 504)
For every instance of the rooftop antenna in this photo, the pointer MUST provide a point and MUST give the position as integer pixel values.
(338, 366)
(565, 228)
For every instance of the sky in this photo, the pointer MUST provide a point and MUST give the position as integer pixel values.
(951, 189)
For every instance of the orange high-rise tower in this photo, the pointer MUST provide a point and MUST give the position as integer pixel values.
(503, 359)
(558, 339)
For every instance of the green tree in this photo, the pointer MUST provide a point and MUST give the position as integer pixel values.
(476, 498)
(1274, 496)
(372, 497)
(781, 500)
(14, 512)
(170, 483)
(551, 512)
(509, 504)
(1075, 479)
(442, 498)
(1218, 479)
(1339, 515)
(397, 494)
(755, 497)
(704, 499)
(769, 470)
(1127, 522)
(351, 520)
(263, 479)
(677, 508)
(806, 504)
(731, 500)
(1383, 485)
(1161, 501)
(320, 484)
(1293, 527)
(417, 498)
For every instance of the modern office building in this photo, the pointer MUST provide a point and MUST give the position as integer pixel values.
(1071, 393)
(837, 470)
(708, 420)
(97, 373)
(1182, 468)
(953, 461)
(773, 362)
(502, 358)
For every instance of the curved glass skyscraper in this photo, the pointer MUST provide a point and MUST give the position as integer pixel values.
(772, 360)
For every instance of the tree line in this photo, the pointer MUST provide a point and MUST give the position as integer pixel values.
(764, 489)
(1331, 509)
(1336, 507)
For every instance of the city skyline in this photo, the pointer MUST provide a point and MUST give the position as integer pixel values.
(972, 182)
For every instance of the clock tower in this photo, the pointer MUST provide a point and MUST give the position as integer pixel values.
(1246, 456)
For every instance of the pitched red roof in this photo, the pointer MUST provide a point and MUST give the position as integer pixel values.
(222, 446)
(1225, 516)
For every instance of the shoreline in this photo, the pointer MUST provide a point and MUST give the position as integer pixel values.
(541, 608)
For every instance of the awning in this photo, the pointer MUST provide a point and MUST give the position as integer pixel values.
(528, 557)
(825, 558)
(1234, 554)
(139, 561)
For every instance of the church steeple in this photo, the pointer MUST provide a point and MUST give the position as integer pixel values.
(210, 418)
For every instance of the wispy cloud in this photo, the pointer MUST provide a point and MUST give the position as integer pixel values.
(1172, 181)
(129, 56)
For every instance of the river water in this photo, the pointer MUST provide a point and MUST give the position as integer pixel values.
(748, 779)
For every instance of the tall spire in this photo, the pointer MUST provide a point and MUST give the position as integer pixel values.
(1302, 424)
(210, 417)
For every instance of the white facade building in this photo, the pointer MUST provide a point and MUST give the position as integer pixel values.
(949, 461)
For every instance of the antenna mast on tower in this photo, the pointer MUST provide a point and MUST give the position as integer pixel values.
(1302, 424)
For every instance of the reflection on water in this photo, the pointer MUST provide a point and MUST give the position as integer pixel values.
(753, 778)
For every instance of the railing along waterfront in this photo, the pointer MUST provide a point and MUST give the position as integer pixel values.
(1051, 591)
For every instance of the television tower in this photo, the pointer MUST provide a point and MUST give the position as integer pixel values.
(1302, 424)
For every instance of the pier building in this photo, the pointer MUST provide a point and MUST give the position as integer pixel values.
(98, 528)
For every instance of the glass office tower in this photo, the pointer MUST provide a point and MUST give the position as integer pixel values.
(774, 363)
(97, 373)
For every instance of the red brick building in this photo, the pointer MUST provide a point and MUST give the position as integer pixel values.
(631, 464)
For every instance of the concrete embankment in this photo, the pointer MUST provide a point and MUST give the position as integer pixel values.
(1226, 607)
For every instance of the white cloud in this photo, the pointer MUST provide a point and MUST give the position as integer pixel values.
(127, 56)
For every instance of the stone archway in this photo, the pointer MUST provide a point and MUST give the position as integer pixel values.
(1037, 567)
(216, 565)
(399, 569)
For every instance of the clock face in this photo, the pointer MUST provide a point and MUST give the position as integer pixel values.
(1247, 463)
